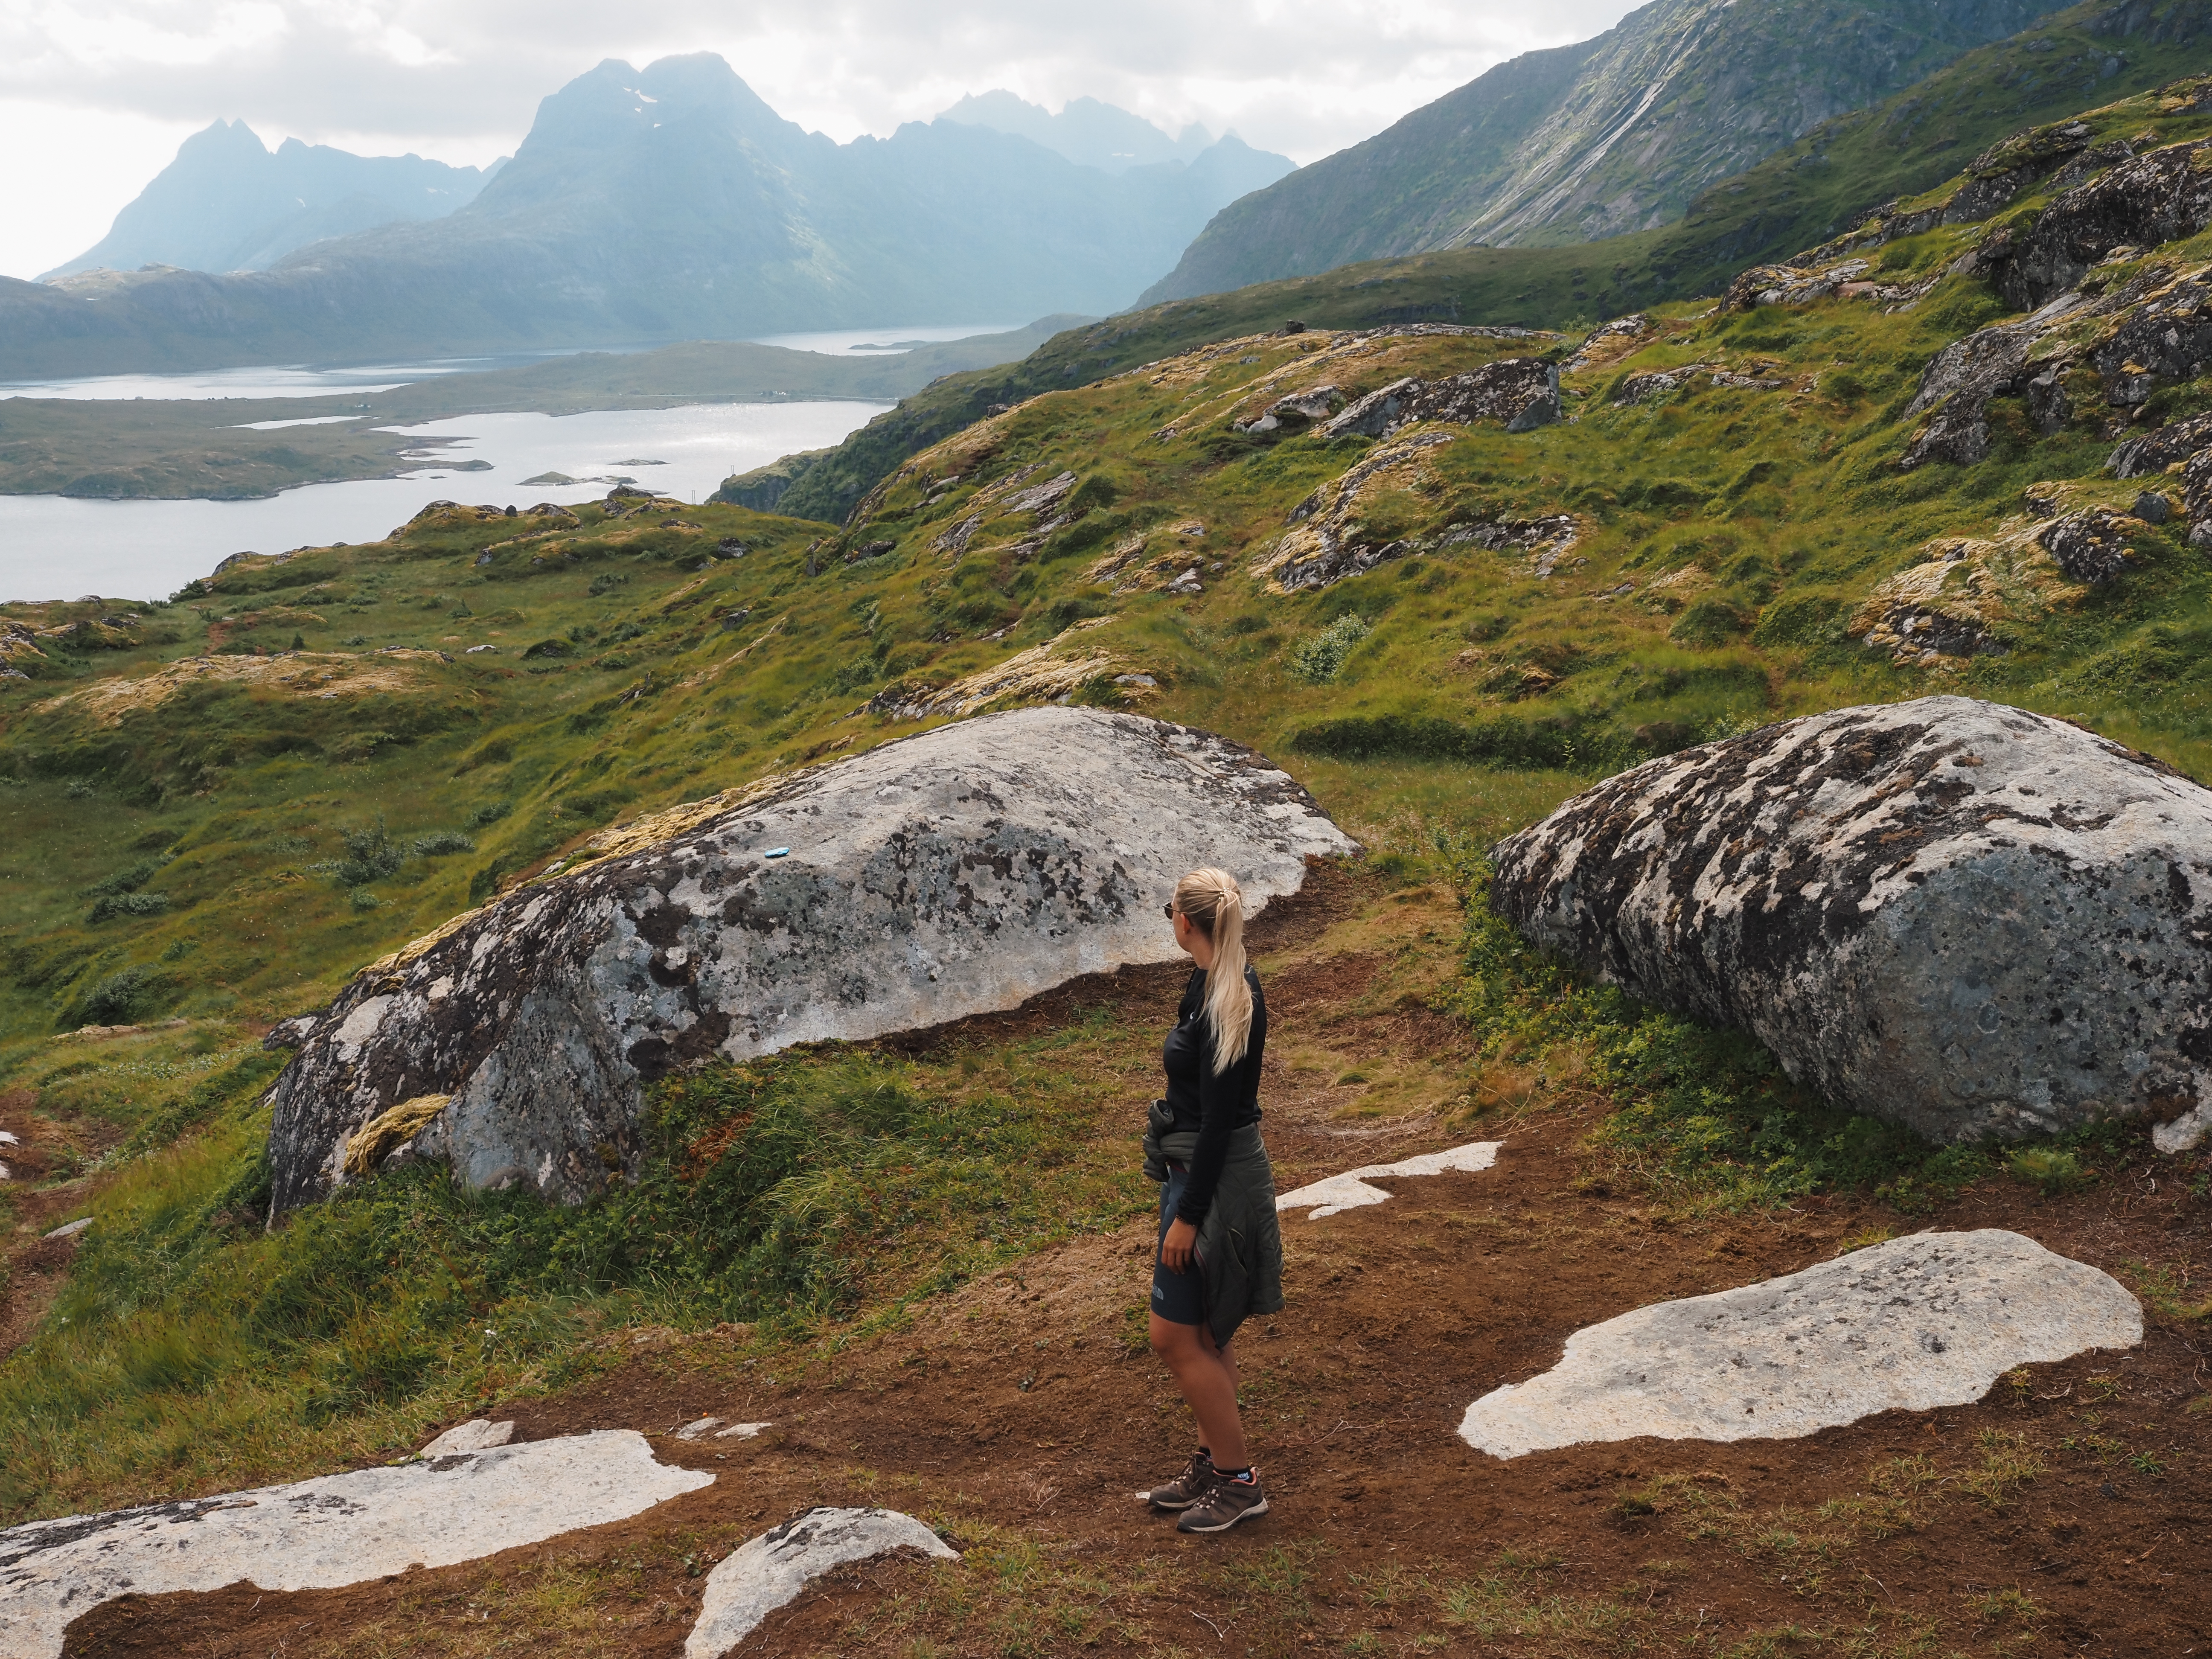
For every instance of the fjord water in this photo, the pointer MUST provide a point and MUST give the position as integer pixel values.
(308, 380)
(54, 547)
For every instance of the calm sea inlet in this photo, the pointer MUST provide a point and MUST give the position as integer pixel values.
(53, 547)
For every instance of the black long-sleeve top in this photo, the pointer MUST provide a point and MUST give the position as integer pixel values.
(1214, 1104)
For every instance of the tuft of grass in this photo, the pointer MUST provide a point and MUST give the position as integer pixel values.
(2050, 1170)
(1702, 1120)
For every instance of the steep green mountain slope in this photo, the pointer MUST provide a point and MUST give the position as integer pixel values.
(221, 809)
(1804, 195)
(1616, 135)
(663, 203)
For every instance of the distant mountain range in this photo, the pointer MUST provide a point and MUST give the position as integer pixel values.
(1087, 132)
(1580, 142)
(227, 204)
(666, 204)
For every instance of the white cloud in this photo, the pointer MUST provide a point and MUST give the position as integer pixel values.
(460, 79)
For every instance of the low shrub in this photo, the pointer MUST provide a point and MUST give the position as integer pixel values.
(128, 904)
(1320, 658)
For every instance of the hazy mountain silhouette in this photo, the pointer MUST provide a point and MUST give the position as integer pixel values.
(227, 204)
(663, 203)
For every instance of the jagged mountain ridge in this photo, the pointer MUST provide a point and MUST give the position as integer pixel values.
(1087, 132)
(664, 203)
(227, 202)
(1607, 136)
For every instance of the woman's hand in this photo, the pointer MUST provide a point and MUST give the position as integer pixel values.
(1181, 1244)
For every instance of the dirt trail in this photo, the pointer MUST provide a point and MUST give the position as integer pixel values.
(1021, 1413)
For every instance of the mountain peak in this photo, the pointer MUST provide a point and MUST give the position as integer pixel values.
(1087, 132)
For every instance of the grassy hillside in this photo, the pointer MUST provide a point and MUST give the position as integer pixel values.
(217, 810)
(1802, 195)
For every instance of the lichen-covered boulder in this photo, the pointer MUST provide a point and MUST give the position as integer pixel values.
(1959, 917)
(959, 871)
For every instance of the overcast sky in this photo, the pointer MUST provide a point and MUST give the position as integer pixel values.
(96, 95)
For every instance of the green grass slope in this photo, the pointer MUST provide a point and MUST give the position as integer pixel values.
(1799, 196)
(218, 810)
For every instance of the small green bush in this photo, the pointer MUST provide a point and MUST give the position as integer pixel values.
(439, 843)
(2049, 1170)
(1708, 622)
(1320, 658)
(122, 998)
(129, 904)
(370, 855)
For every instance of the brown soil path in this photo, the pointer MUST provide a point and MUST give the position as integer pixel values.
(2071, 1508)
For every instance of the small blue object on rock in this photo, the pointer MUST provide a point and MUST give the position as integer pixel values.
(777, 853)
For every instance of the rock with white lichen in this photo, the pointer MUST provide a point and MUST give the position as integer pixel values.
(769, 1572)
(1963, 917)
(959, 871)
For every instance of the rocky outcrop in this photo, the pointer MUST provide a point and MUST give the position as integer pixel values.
(1957, 387)
(1789, 285)
(2093, 547)
(1993, 180)
(2164, 338)
(1294, 413)
(1334, 534)
(2153, 331)
(2159, 197)
(1523, 392)
(1953, 914)
(959, 871)
(1912, 1325)
(2151, 454)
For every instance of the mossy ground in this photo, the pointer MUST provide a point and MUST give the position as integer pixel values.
(276, 828)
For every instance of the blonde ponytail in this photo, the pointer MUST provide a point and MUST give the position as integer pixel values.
(1212, 901)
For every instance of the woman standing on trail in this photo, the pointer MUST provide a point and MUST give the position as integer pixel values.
(1220, 1257)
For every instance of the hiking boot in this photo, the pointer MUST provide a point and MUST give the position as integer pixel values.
(1186, 1488)
(1228, 1499)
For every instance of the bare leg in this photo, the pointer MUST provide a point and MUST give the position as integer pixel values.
(1207, 1377)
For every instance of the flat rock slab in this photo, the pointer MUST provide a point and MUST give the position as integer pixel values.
(1350, 1190)
(477, 1434)
(322, 1533)
(1919, 1322)
(1966, 918)
(960, 871)
(768, 1573)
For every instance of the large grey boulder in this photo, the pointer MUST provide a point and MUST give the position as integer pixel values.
(962, 869)
(1959, 917)
(1911, 1325)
